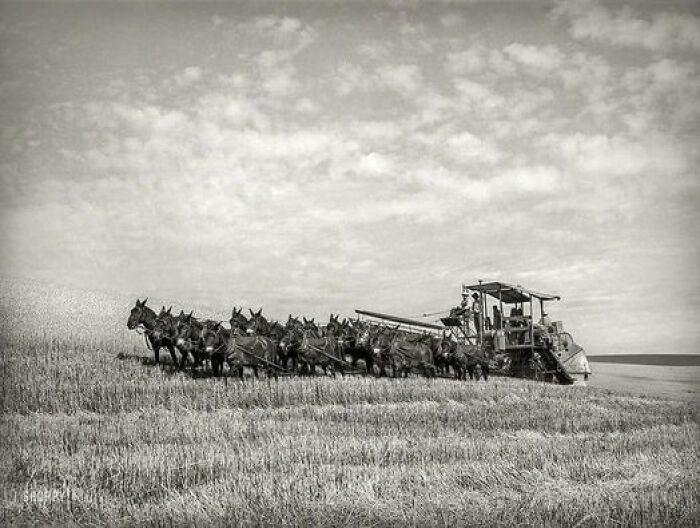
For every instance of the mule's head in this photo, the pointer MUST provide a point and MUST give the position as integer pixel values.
(293, 323)
(238, 321)
(288, 341)
(310, 327)
(164, 326)
(382, 340)
(137, 315)
(210, 335)
(183, 328)
(334, 326)
(257, 325)
(443, 349)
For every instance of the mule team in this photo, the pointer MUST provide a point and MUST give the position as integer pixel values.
(301, 346)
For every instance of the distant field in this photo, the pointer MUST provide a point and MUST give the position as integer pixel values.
(670, 360)
(92, 433)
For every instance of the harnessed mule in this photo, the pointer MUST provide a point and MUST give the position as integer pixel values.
(464, 359)
(356, 342)
(189, 340)
(214, 342)
(321, 351)
(142, 316)
(404, 354)
(253, 351)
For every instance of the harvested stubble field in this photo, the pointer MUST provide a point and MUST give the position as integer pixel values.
(90, 434)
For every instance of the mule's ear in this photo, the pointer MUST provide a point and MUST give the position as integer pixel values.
(143, 303)
(170, 309)
(259, 311)
(252, 313)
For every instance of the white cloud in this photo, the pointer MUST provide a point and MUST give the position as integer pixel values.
(402, 78)
(625, 27)
(278, 73)
(294, 34)
(617, 156)
(516, 181)
(347, 77)
(405, 79)
(538, 57)
(468, 148)
(374, 163)
(384, 131)
(188, 76)
(479, 59)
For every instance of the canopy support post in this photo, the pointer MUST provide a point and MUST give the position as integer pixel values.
(500, 307)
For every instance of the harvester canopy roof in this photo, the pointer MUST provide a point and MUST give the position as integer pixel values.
(508, 293)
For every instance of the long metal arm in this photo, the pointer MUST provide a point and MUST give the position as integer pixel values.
(396, 319)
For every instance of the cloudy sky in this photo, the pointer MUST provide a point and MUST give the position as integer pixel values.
(318, 156)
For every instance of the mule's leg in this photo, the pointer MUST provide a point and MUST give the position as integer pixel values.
(470, 369)
(156, 350)
(369, 364)
(183, 359)
(485, 372)
(171, 349)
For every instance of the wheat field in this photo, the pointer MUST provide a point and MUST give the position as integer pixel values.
(93, 433)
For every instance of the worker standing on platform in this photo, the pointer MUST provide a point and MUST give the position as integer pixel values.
(476, 311)
(462, 310)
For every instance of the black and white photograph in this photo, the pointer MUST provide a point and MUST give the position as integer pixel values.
(350, 263)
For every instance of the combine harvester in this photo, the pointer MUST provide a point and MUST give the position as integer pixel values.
(524, 343)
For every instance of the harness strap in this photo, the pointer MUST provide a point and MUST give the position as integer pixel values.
(236, 346)
(145, 332)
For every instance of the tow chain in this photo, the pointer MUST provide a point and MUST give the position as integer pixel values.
(236, 346)
(320, 351)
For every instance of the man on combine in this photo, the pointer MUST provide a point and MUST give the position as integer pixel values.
(476, 311)
(463, 309)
